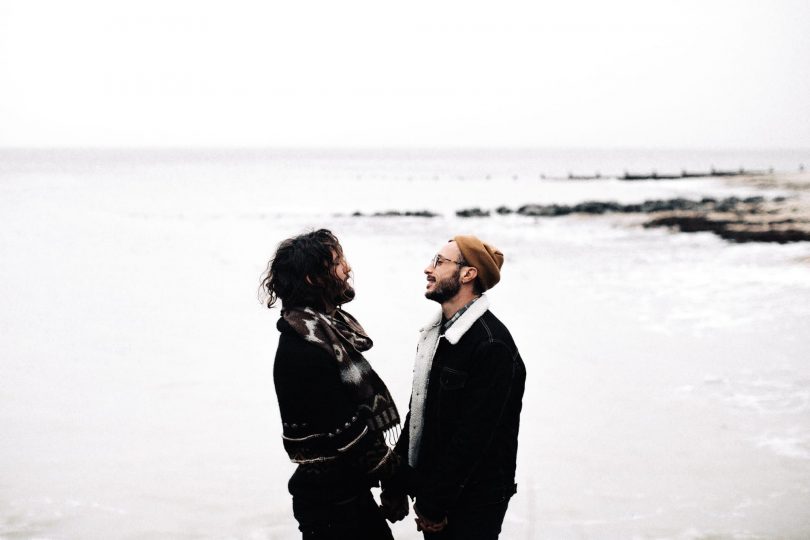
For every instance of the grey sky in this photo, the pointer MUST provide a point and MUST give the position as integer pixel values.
(250, 73)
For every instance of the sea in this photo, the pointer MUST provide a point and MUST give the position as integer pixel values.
(668, 388)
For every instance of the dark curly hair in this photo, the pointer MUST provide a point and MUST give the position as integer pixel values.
(303, 273)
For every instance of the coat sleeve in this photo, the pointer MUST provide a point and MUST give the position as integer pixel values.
(488, 386)
(403, 479)
(401, 447)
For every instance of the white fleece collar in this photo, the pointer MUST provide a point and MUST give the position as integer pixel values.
(464, 323)
(425, 350)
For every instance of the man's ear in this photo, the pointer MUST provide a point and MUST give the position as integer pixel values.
(469, 274)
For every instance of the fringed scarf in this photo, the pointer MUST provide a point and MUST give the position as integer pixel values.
(342, 337)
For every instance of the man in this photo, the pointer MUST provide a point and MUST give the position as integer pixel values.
(336, 412)
(460, 436)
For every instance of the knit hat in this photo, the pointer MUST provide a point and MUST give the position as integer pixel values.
(485, 258)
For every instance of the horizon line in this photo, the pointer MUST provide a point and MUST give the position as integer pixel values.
(395, 149)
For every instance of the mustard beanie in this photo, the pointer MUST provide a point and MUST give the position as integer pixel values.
(485, 258)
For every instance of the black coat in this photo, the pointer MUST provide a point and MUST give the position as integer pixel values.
(472, 414)
(319, 415)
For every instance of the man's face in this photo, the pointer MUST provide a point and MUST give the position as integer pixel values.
(444, 279)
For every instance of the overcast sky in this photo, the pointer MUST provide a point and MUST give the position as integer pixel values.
(647, 73)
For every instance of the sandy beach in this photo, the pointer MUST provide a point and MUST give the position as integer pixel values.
(667, 392)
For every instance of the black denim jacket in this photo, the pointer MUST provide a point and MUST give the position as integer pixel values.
(472, 415)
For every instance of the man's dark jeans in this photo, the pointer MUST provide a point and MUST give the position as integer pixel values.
(478, 523)
(358, 518)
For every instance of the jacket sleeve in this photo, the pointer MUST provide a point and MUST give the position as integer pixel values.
(401, 447)
(403, 479)
(488, 386)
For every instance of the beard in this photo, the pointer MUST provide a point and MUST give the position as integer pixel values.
(346, 294)
(446, 288)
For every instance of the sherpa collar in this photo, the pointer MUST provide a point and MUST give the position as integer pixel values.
(464, 323)
(425, 351)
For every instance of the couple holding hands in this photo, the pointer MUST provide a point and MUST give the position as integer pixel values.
(455, 454)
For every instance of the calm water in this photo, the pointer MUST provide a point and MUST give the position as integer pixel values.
(667, 393)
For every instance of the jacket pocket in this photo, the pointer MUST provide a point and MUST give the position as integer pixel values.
(452, 379)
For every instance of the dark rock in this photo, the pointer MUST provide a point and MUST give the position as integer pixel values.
(589, 207)
(728, 205)
(656, 206)
(690, 223)
(539, 210)
(405, 213)
(735, 230)
(742, 234)
(531, 210)
(503, 210)
(472, 212)
(684, 204)
(596, 207)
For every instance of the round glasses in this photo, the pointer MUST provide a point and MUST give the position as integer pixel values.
(437, 260)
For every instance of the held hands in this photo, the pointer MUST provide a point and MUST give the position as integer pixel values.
(394, 506)
(423, 524)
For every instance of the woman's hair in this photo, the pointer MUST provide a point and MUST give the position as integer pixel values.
(302, 273)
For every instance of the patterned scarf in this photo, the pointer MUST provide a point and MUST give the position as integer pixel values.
(343, 337)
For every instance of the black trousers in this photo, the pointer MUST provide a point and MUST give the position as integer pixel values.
(477, 523)
(358, 518)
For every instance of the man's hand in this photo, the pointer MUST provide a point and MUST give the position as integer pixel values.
(424, 524)
(394, 506)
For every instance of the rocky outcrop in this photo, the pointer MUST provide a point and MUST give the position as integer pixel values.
(730, 204)
(737, 227)
(748, 219)
(738, 219)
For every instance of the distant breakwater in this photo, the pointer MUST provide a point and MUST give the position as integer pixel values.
(684, 174)
(655, 175)
(687, 174)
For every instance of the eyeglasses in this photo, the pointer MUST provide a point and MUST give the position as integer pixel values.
(438, 260)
